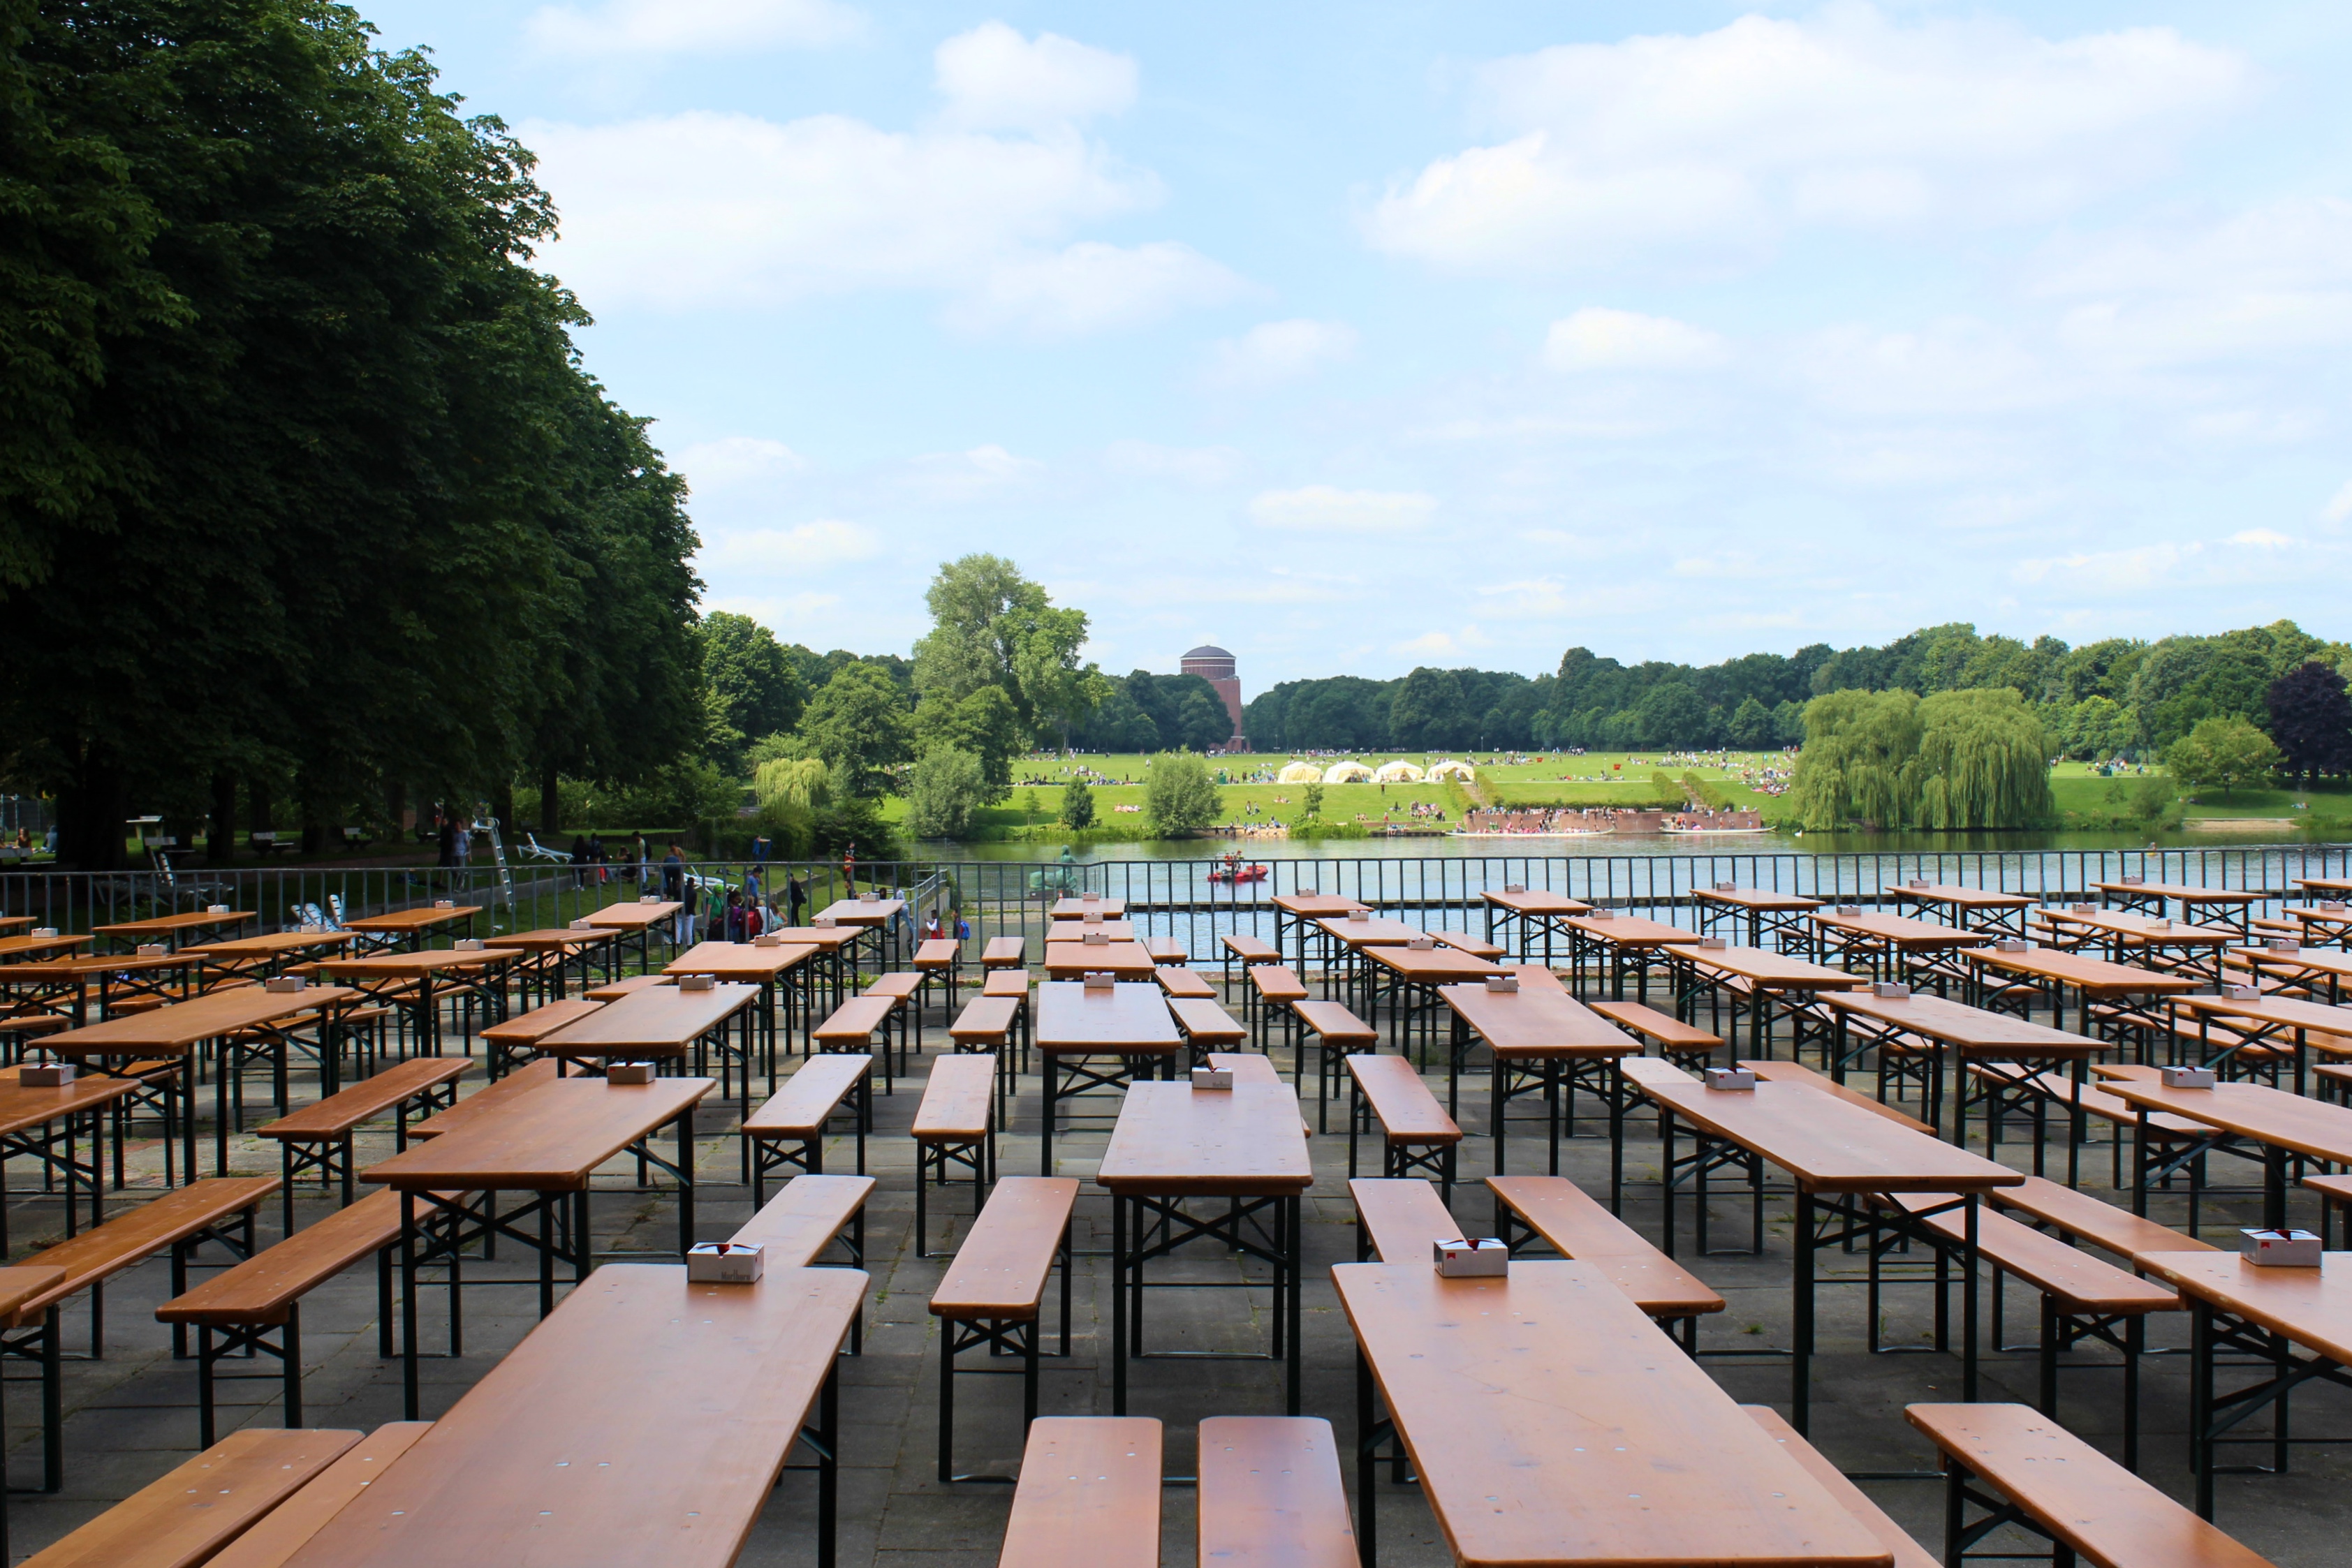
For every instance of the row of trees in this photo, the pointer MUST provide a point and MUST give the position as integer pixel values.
(304, 495)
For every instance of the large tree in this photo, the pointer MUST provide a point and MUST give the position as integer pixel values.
(750, 687)
(2311, 720)
(991, 626)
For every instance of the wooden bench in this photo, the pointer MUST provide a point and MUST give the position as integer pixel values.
(2081, 1298)
(905, 988)
(2037, 1475)
(1206, 1026)
(2080, 1217)
(613, 990)
(990, 1026)
(1337, 1032)
(285, 1530)
(1478, 948)
(318, 1137)
(1397, 1219)
(991, 1295)
(1907, 1552)
(236, 1311)
(1272, 989)
(955, 1125)
(1797, 1072)
(191, 1512)
(511, 1040)
(1250, 950)
(1088, 1495)
(489, 1100)
(1166, 951)
(1685, 1045)
(1270, 1493)
(788, 1131)
(940, 959)
(1577, 1226)
(217, 1208)
(2122, 1118)
(1185, 984)
(1416, 1135)
(850, 1029)
(1005, 953)
(807, 1215)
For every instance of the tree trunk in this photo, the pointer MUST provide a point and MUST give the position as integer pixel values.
(258, 807)
(220, 844)
(395, 809)
(550, 805)
(314, 828)
(502, 805)
(90, 812)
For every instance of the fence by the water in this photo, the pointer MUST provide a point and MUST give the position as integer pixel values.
(1184, 899)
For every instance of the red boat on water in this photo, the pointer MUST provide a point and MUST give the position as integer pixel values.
(1233, 871)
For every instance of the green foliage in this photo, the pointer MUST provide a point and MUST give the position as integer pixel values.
(749, 687)
(2311, 720)
(2097, 728)
(852, 822)
(2222, 753)
(1751, 727)
(1984, 762)
(1077, 804)
(1310, 802)
(802, 783)
(1430, 712)
(857, 725)
(1179, 797)
(945, 787)
(992, 627)
(1712, 795)
(982, 724)
(1857, 747)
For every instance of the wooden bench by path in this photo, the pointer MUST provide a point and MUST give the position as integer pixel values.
(613, 990)
(1397, 1219)
(511, 1040)
(1166, 951)
(318, 1137)
(1088, 1496)
(1476, 947)
(1014, 985)
(851, 1028)
(1273, 990)
(1207, 1028)
(1577, 1226)
(2015, 1466)
(487, 1101)
(1270, 1493)
(2082, 1299)
(191, 1512)
(990, 1296)
(788, 1131)
(216, 1209)
(1685, 1045)
(2109, 1226)
(285, 1530)
(940, 959)
(1797, 1072)
(990, 1026)
(2121, 1118)
(1416, 1135)
(809, 1215)
(1249, 950)
(1907, 1552)
(906, 989)
(955, 1126)
(1005, 953)
(238, 1312)
(1337, 1032)
(1181, 983)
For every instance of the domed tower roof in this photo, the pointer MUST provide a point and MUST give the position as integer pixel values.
(1208, 651)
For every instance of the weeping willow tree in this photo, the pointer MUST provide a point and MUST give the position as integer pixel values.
(1984, 761)
(1860, 761)
(802, 783)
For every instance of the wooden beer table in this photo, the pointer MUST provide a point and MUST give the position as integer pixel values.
(1527, 913)
(1077, 930)
(1541, 1039)
(2275, 1123)
(1076, 961)
(30, 1120)
(664, 1025)
(2172, 946)
(636, 918)
(169, 929)
(646, 1420)
(2261, 1020)
(2234, 905)
(2015, 982)
(181, 1031)
(1355, 935)
(247, 957)
(1552, 1425)
(1632, 941)
(69, 986)
(1297, 914)
(771, 970)
(833, 944)
(2319, 968)
(1920, 950)
(19, 1286)
(417, 983)
(410, 929)
(2260, 1316)
(1770, 979)
(1984, 909)
(1778, 915)
(20, 949)
(1958, 1035)
(1073, 1029)
(1243, 1150)
(1078, 908)
(875, 917)
(1409, 979)
(1838, 1155)
(2322, 925)
(547, 1142)
(549, 954)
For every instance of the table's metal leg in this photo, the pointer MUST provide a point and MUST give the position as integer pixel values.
(1367, 1465)
(1800, 1351)
(1970, 1207)
(1118, 1219)
(1293, 1259)
(408, 1304)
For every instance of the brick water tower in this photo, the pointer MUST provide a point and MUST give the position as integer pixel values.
(1215, 665)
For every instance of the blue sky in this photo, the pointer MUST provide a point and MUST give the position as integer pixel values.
(1359, 336)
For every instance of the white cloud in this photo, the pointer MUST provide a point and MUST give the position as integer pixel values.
(1595, 339)
(1091, 287)
(1275, 351)
(2261, 538)
(1705, 149)
(994, 79)
(1201, 466)
(639, 28)
(1957, 365)
(2339, 506)
(828, 542)
(1428, 646)
(965, 476)
(732, 459)
(1327, 509)
(2111, 571)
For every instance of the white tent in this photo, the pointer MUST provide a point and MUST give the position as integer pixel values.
(1397, 772)
(1450, 769)
(1300, 773)
(1347, 773)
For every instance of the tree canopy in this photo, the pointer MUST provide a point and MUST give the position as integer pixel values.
(992, 627)
(2311, 720)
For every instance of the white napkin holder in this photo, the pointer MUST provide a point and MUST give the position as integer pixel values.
(1918, 884)
(1213, 1078)
(310, 929)
(1359, 916)
(1849, 909)
(2012, 944)
(44, 933)
(1892, 990)
(2187, 1077)
(767, 939)
(1505, 984)
(2282, 945)
(2082, 909)
(724, 1263)
(1603, 913)
(444, 903)
(1100, 980)
(216, 909)
(2331, 906)
(1094, 939)
(824, 922)
(1468, 1257)
(2159, 923)
(286, 984)
(2279, 1249)
(1522, 887)
(1732, 1078)
(1091, 898)
(2131, 881)
(649, 898)
(581, 924)
(2242, 993)
(1305, 893)
(150, 950)
(466, 945)
(628, 1072)
(1421, 944)
(1726, 886)
(1091, 917)
(696, 982)
(1715, 944)
(45, 1075)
